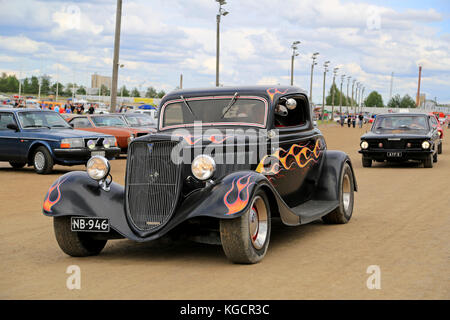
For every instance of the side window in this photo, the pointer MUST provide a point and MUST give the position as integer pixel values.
(80, 123)
(5, 119)
(286, 115)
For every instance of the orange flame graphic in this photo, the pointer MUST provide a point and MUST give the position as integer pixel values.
(240, 185)
(301, 154)
(48, 204)
(191, 140)
(273, 91)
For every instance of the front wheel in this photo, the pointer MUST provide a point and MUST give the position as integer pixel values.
(245, 239)
(428, 162)
(440, 148)
(343, 213)
(42, 161)
(75, 244)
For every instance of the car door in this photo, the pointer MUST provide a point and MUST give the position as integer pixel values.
(435, 133)
(299, 153)
(9, 139)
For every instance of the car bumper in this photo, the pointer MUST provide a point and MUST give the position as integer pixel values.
(82, 155)
(406, 154)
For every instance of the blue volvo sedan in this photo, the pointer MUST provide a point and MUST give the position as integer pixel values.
(43, 138)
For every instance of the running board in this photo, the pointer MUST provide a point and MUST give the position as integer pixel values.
(314, 209)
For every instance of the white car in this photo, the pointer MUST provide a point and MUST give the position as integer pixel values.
(151, 112)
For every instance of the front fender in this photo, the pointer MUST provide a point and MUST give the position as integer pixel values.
(76, 194)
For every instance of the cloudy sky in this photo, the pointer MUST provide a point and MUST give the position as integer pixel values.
(163, 38)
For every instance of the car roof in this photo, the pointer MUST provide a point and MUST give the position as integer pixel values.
(24, 110)
(402, 114)
(260, 90)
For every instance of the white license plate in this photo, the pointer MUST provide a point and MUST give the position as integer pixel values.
(97, 153)
(82, 224)
(394, 154)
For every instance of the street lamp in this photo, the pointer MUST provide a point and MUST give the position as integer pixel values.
(351, 101)
(340, 95)
(348, 83)
(314, 57)
(294, 47)
(333, 89)
(222, 12)
(325, 70)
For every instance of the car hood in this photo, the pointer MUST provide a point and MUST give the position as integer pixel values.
(410, 135)
(63, 133)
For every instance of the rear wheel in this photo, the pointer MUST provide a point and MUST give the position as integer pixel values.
(428, 162)
(435, 157)
(42, 160)
(366, 162)
(343, 213)
(245, 239)
(17, 165)
(75, 244)
(440, 148)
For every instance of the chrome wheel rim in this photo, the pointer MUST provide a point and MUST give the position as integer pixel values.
(258, 222)
(39, 160)
(346, 192)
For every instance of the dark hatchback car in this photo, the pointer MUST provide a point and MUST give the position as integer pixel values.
(222, 164)
(399, 137)
(43, 138)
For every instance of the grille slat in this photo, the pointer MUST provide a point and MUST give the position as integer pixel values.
(152, 184)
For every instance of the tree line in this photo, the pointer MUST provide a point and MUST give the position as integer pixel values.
(10, 84)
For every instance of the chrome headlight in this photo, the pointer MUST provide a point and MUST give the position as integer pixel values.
(440, 134)
(203, 167)
(98, 168)
(91, 144)
(109, 142)
(72, 143)
(425, 145)
(364, 145)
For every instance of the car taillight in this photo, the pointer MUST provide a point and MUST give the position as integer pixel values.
(380, 145)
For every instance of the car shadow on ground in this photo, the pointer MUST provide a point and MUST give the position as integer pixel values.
(397, 165)
(30, 170)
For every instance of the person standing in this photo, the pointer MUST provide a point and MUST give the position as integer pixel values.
(349, 120)
(361, 120)
(354, 120)
(91, 109)
(342, 119)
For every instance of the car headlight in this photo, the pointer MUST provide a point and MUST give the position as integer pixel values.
(425, 145)
(364, 145)
(109, 142)
(91, 144)
(203, 167)
(72, 143)
(98, 167)
(440, 134)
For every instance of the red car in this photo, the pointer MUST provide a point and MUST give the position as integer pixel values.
(109, 124)
(435, 123)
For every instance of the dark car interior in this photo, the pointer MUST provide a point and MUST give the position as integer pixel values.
(293, 116)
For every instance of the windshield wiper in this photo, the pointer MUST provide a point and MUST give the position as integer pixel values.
(189, 108)
(233, 100)
(36, 126)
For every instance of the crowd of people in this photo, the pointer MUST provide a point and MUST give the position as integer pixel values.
(352, 119)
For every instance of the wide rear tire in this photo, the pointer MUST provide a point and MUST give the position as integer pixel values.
(343, 213)
(246, 239)
(75, 244)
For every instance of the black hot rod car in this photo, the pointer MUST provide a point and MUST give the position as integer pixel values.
(399, 137)
(223, 160)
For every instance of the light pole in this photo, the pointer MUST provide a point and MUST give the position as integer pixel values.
(340, 95)
(294, 54)
(351, 101)
(333, 89)
(325, 70)
(314, 57)
(362, 97)
(348, 83)
(222, 12)
(115, 71)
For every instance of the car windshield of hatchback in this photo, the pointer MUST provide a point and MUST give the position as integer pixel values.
(400, 124)
(108, 121)
(139, 120)
(42, 119)
(226, 111)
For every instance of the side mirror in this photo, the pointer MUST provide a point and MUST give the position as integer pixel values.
(12, 126)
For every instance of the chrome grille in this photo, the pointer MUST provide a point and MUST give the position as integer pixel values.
(153, 182)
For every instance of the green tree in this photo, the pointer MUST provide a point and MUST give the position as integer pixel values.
(104, 91)
(151, 93)
(45, 85)
(60, 88)
(161, 94)
(394, 102)
(81, 90)
(124, 92)
(26, 86)
(407, 102)
(374, 99)
(34, 85)
(135, 93)
(337, 96)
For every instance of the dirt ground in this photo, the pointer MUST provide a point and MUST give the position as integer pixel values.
(401, 223)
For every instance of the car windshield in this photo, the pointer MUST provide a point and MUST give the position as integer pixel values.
(139, 120)
(247, 111)
(400, 123)
(108, 121)
(42, 119)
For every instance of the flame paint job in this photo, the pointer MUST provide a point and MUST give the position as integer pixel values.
(191, 140)
(48, 203)
(273, 91)
(238, 187)
(302, 154)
